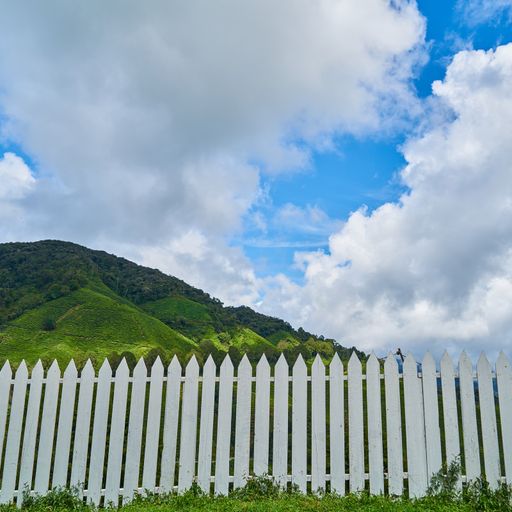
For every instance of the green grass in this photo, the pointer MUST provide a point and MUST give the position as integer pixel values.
(262, 496)
(245, 338)
(87, 323)
(171, 308)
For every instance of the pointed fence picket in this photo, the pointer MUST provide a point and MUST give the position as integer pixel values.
(262, 417)
(224, 427)
(299, 424)
(99, 434)
(469, 424)
(135, 426)
(14, 434)
(393, 427)
(318, 435)
(374, 413)
(65, 426)
(44, 455)
(113, 435)
(431, 414)
(414, 429)
(30, 431)
(488, 422)
(153, 426)
(5, 392)
(204, 469)
(450, 415)
(243, 422)
(171, 418)
(337, 425)
(280, 437)
(116, 443)
(189, 426)
(83, 425)
(504, 378)
(355, 424)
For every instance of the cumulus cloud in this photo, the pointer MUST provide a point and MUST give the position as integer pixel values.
(221, 271)
(150, 121)
(16, 180)
(435, 268)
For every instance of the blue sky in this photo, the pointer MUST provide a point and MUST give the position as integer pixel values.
(342, 165)
(365, 170)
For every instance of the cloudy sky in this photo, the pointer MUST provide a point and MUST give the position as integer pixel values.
(345, 165)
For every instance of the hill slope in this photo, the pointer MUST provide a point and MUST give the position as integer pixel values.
(62, 300)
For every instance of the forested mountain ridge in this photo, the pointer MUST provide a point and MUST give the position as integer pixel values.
(61, 300)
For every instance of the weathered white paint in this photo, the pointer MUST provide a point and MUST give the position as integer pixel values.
(224, 427)
(374, 413)
(299, 424)
(280, 438)
(414, 430)
(189, 426)
(65, 426)
(99, 434)
(318, 433)
(116, 441)
(83, 425)
(204, 469)
(450, 415)
(355, 424)
(153, 426)
(337, 425)
(431, 414)
(488, 422)
(469, 426)
(31, 424)
(243, 422)
(5, 391)
(135, 424)
(44, 454)
(170, 435)
(394, 427)
(12, 449)
(262, 417)
(504, 377)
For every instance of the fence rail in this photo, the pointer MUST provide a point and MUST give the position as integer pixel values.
(329, 428)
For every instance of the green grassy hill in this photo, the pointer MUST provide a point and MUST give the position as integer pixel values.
(61, 300)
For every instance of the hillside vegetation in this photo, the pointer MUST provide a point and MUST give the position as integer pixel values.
(61, 300)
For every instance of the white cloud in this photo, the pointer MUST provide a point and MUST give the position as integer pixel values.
(435, 269)
(16, 180)
(481, 11)
(222, 272)
(145, 119)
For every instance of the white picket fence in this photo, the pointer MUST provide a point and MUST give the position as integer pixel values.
(117, 435)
